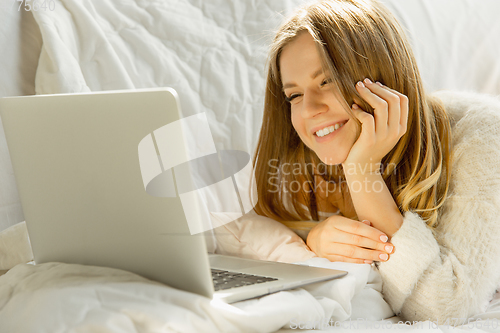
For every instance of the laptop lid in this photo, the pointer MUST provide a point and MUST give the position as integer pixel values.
(75, 159)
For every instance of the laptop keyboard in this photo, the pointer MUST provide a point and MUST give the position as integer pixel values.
(226, 280)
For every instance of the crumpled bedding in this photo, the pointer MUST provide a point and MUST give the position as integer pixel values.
(213, 53)
(56, 297)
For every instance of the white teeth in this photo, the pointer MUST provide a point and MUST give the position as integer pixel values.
(328, 130)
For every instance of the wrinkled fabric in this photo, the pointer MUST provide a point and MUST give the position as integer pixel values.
(56, 297)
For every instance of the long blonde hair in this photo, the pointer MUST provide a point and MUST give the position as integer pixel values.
(356, 39)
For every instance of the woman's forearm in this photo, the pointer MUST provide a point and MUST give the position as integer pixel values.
(373, 201)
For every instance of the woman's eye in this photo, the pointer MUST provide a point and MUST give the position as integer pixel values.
(325, 82)
(290, 98)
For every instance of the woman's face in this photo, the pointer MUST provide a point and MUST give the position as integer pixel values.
(317, 112)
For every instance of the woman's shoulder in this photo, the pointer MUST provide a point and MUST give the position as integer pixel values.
(474, 120)
(469, 108)
(475, 127)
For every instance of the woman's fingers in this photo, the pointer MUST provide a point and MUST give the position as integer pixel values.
(360, 241)
(358, 228)
(356, 246)
(339, 238)
(356, 240)
(367, 121)
(380, 106)
(366, 222)
(404, 107)
(334, 257)
(358, 253)
(390, 107)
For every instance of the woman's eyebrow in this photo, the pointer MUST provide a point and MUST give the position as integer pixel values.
(288, 85)
(313, 76)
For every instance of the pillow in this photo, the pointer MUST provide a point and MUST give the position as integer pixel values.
(257, 237)
(15, 247)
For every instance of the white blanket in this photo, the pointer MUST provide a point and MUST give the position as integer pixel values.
(57, 297)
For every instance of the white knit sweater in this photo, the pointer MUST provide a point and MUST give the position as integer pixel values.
(453, 271)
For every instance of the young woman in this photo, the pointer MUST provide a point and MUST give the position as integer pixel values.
(385, 172)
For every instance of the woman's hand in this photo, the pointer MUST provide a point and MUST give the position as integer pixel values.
(380, 132)
(339, 238)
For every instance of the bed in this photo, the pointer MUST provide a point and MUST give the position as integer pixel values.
(213, 52)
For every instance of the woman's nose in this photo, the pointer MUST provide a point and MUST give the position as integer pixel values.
(313, 104)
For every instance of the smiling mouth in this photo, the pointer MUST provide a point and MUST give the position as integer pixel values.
(329, 129)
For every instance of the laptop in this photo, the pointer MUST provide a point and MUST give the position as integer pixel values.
(85, 196)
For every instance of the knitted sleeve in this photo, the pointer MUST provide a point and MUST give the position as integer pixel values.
(453, 270)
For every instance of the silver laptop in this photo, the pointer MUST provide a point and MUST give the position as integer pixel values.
(85, 195)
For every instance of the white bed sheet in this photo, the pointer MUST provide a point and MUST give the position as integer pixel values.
(57, 297)
(21, 43)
